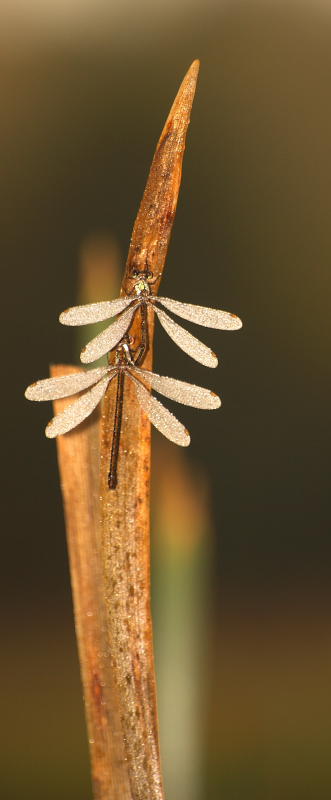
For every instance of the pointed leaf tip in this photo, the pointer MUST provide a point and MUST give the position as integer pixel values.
(195, 66)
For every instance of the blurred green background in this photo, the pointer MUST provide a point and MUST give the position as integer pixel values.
(242, 585)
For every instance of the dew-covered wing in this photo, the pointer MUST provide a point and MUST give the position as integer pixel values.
(187, 393)
(190, 344)
(202, 315)
(64, 386)
(78, 410)
(108, 339)
(160, 417)
(94, 312)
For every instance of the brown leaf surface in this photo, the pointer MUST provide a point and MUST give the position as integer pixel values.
(78, 457)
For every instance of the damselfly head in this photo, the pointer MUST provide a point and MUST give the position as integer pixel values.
(144, 279)
(141, 273)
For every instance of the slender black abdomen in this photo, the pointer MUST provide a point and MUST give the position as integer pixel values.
(112, 475)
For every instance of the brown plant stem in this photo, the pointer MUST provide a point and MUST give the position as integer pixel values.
(125, 511)
(113, 524)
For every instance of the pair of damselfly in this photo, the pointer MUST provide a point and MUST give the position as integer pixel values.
(126, 364)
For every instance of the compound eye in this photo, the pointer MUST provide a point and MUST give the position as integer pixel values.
(149, 274)
(135, 273)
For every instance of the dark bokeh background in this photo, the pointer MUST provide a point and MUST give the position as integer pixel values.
(85, 90)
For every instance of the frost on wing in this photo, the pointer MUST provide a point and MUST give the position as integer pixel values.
(187, 393)
(64, 386)
(108, 339)
(78, 410)
(202, 315)
(94, 312)
(160, 417)
(190, 344)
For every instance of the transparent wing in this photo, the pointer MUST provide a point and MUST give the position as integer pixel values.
(192, 346)
(78, 410)
(180, 391)
(53, 388)
(159, 416)
(202, 315)
(108, 339)
(94, 312)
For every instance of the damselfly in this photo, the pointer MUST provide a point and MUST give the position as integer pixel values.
(100, 378)
(140, 297)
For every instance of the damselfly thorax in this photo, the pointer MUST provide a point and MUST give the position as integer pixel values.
(141, 290)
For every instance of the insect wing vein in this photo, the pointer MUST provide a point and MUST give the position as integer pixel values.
(202, 315)
(190, 344)
(94, 312)
(64, 386)
(160, 416)
(108, 339)
(187, 393)
(78, 410)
